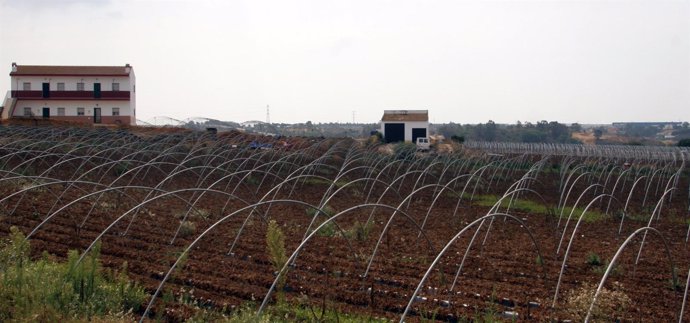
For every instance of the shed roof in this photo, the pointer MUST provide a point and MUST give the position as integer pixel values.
(39, 70)
(405, 115)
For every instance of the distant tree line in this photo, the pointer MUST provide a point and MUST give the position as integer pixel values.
(542, 131)
(307, 129)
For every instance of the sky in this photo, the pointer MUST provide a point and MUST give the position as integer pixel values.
(588, 61)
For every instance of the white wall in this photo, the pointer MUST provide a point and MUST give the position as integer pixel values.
(415, 124)
(71, 82)
(408, 127)
(131, 85)
(71, 107)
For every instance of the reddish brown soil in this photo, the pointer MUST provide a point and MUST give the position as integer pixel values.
(329, 269)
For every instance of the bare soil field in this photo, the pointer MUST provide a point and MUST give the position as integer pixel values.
(65, 189)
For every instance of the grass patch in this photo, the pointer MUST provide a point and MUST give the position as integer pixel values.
(590, 217)
(517, 204)
(537, 208)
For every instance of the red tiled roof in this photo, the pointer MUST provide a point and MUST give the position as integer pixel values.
(402, 116)
(71, 70)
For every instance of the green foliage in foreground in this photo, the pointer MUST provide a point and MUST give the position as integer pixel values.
(284, 312)
(45, 290)
(48, 291)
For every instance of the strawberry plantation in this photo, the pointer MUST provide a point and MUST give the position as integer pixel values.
(212, 225)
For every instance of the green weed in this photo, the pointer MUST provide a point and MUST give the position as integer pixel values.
(45, 290)
(593, 259)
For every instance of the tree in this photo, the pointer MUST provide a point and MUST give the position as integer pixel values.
(490, 131)
(684, 142)
(558, 131)
(533, 135)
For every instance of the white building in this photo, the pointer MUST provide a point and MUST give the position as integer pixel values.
(404, 125)
(86, 94)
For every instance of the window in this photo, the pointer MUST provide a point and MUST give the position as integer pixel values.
(80, 111)
(27, 112)
(61, 87)
(80, 86)
(26, 86)
(61, 112)
(46, 90)
(116, 86)
(116, 111)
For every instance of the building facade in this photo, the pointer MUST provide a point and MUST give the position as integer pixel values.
(86, 94)
(404, 125)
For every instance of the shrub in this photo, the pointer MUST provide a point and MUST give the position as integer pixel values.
(360, 231)
(15, 250)
(616, 270)
(187, 228)
(275, 243)
(458, 139)
(684, 142)
(193, 213)
(327, 230)
(374, 140)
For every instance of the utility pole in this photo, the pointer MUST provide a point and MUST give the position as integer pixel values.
(268, 114)
(353, 116)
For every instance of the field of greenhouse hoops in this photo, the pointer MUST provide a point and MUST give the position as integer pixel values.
(508, 231)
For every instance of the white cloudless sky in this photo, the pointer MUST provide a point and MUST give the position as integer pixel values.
(593, 61)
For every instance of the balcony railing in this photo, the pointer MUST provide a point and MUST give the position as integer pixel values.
(72, 95)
